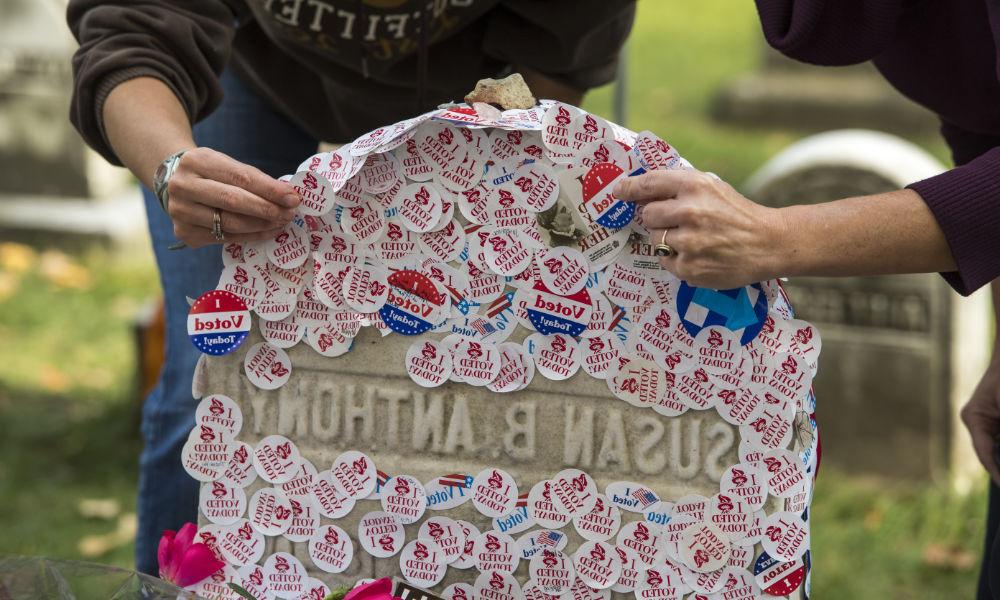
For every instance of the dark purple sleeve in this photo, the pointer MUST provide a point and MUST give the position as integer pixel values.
(966, 203)
(829, 32)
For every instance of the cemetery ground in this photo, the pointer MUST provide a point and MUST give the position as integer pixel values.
(69, 416)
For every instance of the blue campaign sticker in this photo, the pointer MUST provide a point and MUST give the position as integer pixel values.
(779, 578)
(601, 204)
(218, 322)
(414, 304)
(742, 310)
(551, 313)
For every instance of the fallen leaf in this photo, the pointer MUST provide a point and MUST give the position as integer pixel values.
(98, 508)
(16, 258)
(93, 546)
(942, 556)
(62, 271)
(52, 379)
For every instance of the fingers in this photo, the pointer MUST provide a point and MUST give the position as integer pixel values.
(983, 436)
(661, 185)
(196, 237)
(224, 169)
(229, 198)
(667, 214)
(185, 211)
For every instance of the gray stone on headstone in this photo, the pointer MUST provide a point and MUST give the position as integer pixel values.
(900, 353)
(789, 94)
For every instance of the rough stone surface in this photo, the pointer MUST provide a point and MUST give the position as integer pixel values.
(890, 382)
(509, 92)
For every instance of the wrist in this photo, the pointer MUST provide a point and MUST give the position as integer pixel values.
(782, 249)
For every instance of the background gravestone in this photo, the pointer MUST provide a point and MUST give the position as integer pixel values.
(786, 93)
(901, 354)
(50, 181)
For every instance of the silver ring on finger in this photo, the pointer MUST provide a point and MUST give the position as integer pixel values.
(663, 248)
(217, 226)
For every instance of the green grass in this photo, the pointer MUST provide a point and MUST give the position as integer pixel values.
(67, 406)
(67, 403)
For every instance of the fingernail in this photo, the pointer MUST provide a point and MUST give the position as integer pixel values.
(292, 200)
(619, 189)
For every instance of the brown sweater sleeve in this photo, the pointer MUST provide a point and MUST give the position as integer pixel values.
(183, 43)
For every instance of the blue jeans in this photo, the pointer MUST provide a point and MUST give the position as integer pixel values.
(247, 129)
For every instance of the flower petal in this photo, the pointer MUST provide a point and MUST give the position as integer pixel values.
(380, 589)
(196, 564)
(166, 557)
(185, 536)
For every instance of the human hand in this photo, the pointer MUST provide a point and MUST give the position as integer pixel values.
(721, 239)
(253, 205)
(981, 416)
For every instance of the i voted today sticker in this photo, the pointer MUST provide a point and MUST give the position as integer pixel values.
(218, 322)
(553, 313)
(601, 204)
(414, 303)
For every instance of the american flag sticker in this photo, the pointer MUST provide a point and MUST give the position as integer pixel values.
(549, 538)
(457, 480)
(645, 496)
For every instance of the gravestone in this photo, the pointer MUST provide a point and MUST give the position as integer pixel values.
(785, 93)
(692, 412)
(50, 181)
(901, 354)
(366, 401)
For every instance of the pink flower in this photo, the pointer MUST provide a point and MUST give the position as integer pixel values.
(380, 589)
(182, 562)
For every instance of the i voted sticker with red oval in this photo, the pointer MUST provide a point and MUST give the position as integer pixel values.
(414, 303)
(552, 571)
(331, 502)
(494, 493)
(428, 363)
(276, 459)
(563, 270)
(285, 576)
(448, 534)
(354, 474)
(422, 562)
(601, 523)
(404, 498)
(316, 192)
(220, 411)
(381, 534)
(600, 202)
(331, 549)
(240, 544)
(542, 507)
(786, 536)
(597, 564)
(218, 322)
(495, 551)
(222, 503)
(574, 492)
(270, 511)
(552, 313)
(266, 366)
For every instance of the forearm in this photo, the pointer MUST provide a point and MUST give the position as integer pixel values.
(894, 232)
(145, 123)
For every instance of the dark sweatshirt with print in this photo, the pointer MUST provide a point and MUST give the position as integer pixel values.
(337, 68)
